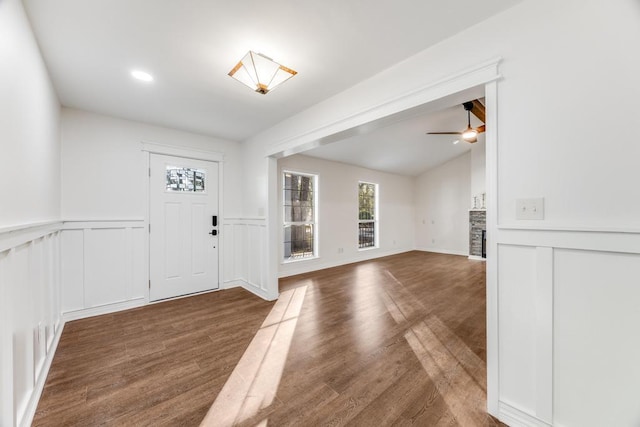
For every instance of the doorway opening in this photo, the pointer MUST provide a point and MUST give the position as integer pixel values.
(437, 97)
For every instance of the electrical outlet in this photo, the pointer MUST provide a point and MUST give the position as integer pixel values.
(530, 208)
(340, 250)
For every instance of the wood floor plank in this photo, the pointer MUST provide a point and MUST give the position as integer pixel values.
(399, 340)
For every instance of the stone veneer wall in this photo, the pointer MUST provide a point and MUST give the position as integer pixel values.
(477, 223)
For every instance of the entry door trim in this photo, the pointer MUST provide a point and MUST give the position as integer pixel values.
(188, 153)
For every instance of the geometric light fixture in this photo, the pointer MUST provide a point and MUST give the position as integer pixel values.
(260, 72)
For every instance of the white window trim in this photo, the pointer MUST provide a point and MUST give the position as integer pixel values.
(376, 217)
(284, 223)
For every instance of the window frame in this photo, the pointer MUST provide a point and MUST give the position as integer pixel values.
(284, 223)
(376, 216)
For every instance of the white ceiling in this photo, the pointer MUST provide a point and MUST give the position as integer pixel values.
(90, 47)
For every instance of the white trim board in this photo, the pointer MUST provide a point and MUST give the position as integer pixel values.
(477, 75)
(27, 226)
(257, 291)
(189, 153)
(27, 233)
(517, 418)
(103, 309)
(581, 240)
(320, 265)
(102, 224)
(442, 251)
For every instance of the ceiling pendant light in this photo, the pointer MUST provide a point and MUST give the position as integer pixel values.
(260, 72)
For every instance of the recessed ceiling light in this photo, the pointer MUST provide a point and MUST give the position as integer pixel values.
(141, 75)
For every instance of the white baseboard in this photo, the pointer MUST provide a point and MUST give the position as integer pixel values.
(317, 263)
(254, 289)
(230, 284)
(442, 251)
(103, 309)
(476, 258)
(258, 291)
(514, 417)
(32, 405)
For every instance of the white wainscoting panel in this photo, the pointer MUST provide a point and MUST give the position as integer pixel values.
(139, 264)
(517, 326)
(244, 260)
(597, 338)
(72, 267)
(104, 267)
(29, 315)
(6, 344)
(569, 315)
(106, 276)
(23, 330)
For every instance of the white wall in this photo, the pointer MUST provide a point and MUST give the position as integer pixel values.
(338, 212)
(442, 207)
(577, 72)
(29, 136)
(566, 66)
(104, 179)
(104, 168)
(29, 194)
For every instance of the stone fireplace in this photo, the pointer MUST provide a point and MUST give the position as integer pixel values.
(477, 232)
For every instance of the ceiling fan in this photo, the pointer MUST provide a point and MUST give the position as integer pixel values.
(469, 134)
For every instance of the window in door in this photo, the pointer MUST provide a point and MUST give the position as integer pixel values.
(299, 215)
(185, 179)
(367, 215)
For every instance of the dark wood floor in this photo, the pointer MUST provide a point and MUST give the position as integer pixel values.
(395, 341)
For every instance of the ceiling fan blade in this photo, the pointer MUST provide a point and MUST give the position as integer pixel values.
(478, 110)
(481, 129)
(444, 133)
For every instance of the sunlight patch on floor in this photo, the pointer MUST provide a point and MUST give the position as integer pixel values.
(462, 394)
(252, 385)
(454, 369)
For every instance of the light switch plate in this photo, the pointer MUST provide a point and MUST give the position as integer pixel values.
(530, 208)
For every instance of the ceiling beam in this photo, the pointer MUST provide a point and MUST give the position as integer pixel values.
(478, 110)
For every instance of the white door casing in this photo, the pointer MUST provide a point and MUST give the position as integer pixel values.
(183, 255)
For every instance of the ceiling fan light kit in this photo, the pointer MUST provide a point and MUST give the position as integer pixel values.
(469, 134)
(260, 73)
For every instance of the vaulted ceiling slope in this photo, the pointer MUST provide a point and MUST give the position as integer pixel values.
(189, 46)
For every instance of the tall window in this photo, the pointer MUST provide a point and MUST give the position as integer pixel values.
(299, 202)
(367, 215)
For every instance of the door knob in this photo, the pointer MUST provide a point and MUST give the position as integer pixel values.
(214, 232)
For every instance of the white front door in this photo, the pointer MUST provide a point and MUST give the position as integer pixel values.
(183, 206)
